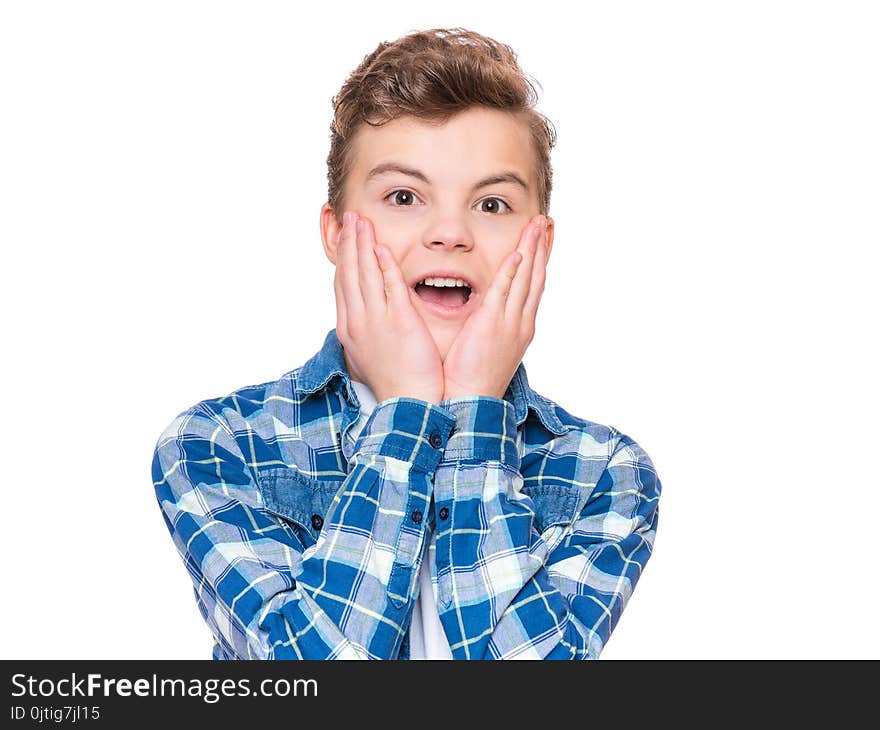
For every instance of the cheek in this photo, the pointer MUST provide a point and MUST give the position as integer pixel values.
(392, 235)
(400, 252)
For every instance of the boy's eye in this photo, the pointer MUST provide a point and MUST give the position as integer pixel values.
(404, 198)
(400, 196)
(495, 202)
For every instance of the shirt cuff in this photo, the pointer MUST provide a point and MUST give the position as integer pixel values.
(410, 429)
(485, 430)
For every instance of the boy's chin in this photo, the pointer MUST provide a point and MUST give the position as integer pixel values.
(444, 337)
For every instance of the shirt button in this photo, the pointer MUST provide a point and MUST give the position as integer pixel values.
(317, 522)
(444, 513)
(435, 439)
(416, 516)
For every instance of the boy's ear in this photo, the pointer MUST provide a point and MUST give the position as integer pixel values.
(330, 231)
(550, 228)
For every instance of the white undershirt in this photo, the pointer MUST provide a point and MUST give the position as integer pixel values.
(427, 640)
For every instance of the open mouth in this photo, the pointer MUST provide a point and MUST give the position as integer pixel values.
(434, 292)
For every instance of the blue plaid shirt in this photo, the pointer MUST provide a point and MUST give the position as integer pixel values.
(303, 543)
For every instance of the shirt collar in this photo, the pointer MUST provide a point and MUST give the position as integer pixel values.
(328, 363)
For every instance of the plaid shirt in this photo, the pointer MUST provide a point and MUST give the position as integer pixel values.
(303, 543)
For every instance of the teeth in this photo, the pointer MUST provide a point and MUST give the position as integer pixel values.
(440, 281)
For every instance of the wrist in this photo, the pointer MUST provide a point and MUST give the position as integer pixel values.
(432, 398)
(472, 393)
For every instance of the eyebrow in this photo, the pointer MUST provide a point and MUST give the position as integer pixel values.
(501, 177)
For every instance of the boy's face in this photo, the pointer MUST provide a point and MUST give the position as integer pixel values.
(436, 216)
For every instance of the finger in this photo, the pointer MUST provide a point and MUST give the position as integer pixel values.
(499, 289)
(339, 284)
(370, 275)
(519, 289)
(341, 316)
(539, 276)
(396, 289)
(351, 288)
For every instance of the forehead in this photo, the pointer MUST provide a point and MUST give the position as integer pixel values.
(463, 148)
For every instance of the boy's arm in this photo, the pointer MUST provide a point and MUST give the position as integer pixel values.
(268, 597)
(507, 592)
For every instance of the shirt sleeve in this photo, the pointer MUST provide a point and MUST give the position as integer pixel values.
(264, 594)
(508, 592)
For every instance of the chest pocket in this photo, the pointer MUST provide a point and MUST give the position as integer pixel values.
(555, 504)
(297, 498)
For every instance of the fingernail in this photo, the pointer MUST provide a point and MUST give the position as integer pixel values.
(360, 226)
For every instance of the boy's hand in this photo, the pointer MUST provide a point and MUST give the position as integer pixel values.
(386, 341)
(490, 346)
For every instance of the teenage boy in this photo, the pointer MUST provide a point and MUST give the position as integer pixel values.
(405, 494)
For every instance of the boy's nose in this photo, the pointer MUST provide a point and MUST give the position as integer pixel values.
(452, 242)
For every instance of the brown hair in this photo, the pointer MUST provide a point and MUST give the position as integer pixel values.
(431, 75)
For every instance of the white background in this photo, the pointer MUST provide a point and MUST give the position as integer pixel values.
(712, 290)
